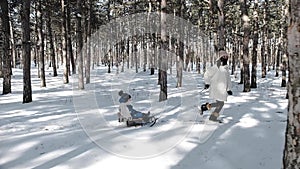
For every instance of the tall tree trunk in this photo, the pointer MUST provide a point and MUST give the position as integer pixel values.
(153, 55)
(255, 47)
(41, 44)
(163, 95)
(284, 69)
(221, 25)
(26, 48)
(180, 64)
(128, 52)
(283, 37)
(264, 41)
(278, 54)
(36, 56)
(13, 45)
(64, 42)
(88, 45)
(246, 60)
(6, 46)
(234, 54)
(144, 47)
(135, 50)
(79, 47)
(69, 40)
(52, 50)
(291, 158)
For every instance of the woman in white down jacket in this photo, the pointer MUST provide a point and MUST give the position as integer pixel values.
(217, 79)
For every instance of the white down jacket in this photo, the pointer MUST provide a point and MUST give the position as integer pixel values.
(219, 81)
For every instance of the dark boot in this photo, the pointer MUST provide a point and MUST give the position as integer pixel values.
(205, 107)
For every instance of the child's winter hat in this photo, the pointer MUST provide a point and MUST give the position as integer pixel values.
(121, 92)
(124, 97)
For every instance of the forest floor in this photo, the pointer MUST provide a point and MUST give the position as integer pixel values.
(69, 128)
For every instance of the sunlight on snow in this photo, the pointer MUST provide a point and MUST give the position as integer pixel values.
(247, 122)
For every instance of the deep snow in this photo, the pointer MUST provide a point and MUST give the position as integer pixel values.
(67, 128)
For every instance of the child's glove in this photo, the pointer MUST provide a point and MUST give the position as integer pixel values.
(206, 86)
(229, 92)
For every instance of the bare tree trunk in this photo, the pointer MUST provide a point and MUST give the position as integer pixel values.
(52, 51)
(70, 57)
(284, 69)
(221, 25)
(135, 50)
(88, 45)
(180, 64)
(163, 95)
(13, 45)
(278, 54)
(64, 43)
(6, 46)
(283, 37)
(264, 41)
(153, 55)
(41, 43)
(26, 48)
(234, 55)
(291, 158)
(255, 48)
(79, 47)
(144, 47)
(246, 60)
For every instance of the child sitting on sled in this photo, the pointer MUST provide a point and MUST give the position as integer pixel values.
(127, 110)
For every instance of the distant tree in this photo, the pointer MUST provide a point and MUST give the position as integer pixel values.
(283, 38)
(6, 67)
(70, 57)
(255, 46)
(79, 46)
(64, 36)
(88, 43)
(50, 37)
(246, 38)
(163, 54)
(291, 158)
(221, 25)
(41, 42)
(26, 48)
(180, 46)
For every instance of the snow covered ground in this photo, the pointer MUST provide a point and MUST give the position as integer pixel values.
(66, 128)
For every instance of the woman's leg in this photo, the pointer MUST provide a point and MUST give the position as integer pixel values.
(218, 107)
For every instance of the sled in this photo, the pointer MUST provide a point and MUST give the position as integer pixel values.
(125, 116)
(130, 121)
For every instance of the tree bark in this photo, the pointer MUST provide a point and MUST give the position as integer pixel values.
(255, 47)
(246, 60)
(64, 42)
(291, 158)
(283, 37)
(41, 44)
(26, 48)
(79, 47)
(163, 54)
(70, 57)
(88, 45)
(6, 67)
(221, 25)
(180, 49)
(52, 50)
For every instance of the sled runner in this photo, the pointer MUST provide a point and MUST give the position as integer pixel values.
(130, 121)
(125, 116)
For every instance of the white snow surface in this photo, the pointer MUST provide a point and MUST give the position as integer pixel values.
(69, 128)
